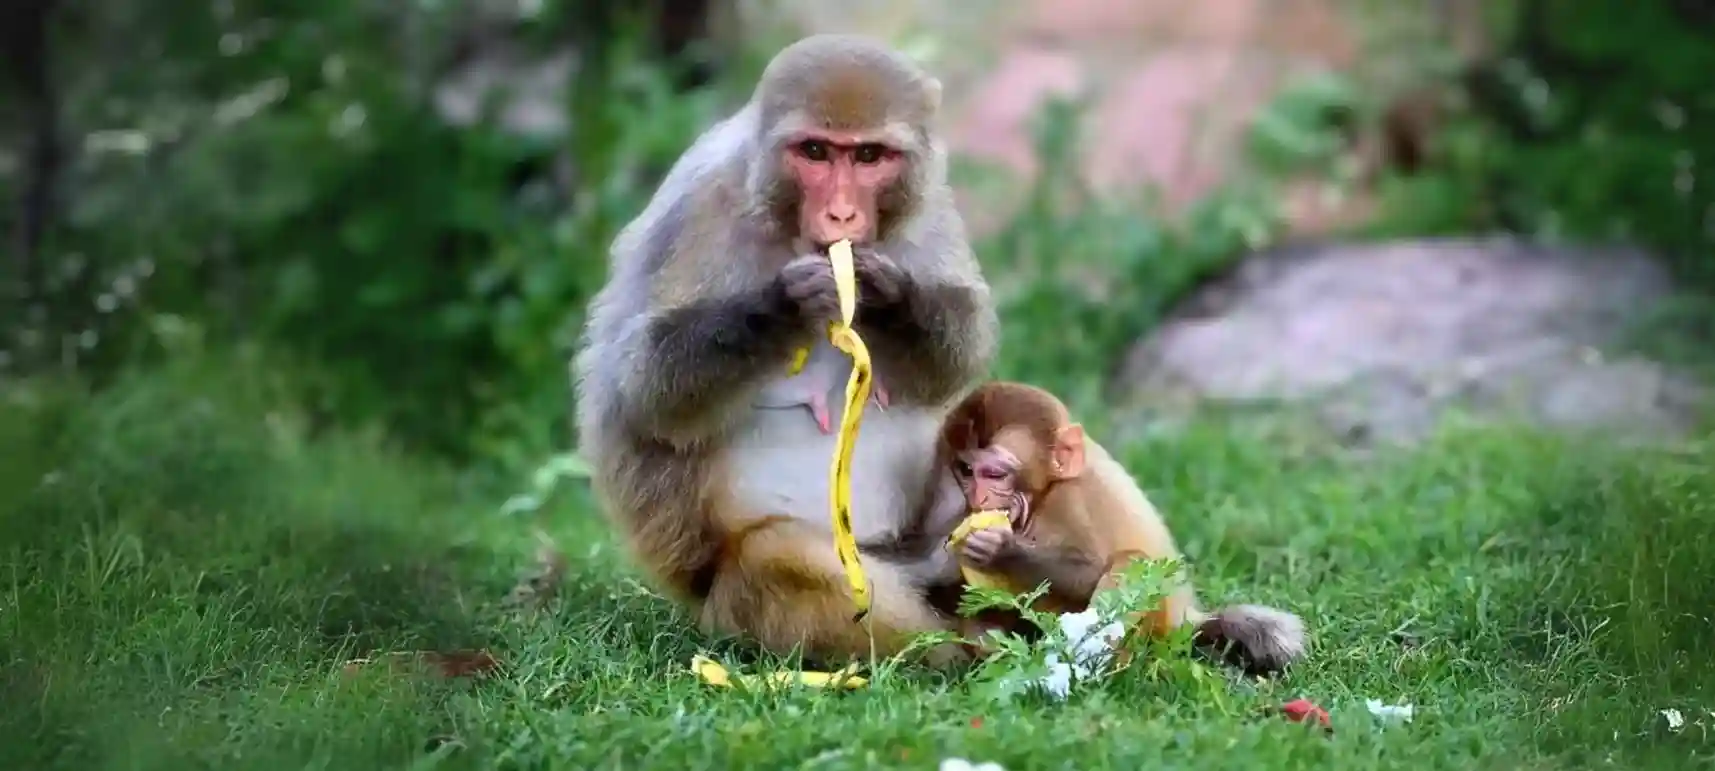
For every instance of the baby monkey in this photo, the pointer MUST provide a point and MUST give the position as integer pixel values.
(1078, 517)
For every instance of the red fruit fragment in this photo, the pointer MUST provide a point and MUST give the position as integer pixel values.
(1299, 710)
(976, 722)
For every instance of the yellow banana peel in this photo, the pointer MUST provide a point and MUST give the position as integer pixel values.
(711, 672)
(841, 334)
(843, 337)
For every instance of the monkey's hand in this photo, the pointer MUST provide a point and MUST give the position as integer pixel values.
(989, 548)
(930, 323)
(881, 282)
(808, 282)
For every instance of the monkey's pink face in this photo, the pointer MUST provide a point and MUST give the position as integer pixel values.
(989, 478)
(842, 177)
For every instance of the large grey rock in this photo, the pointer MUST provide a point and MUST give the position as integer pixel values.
(1382, 339)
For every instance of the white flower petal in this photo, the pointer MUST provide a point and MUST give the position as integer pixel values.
(1095, 649)
(1077, 625)
(1402, 712)
(1058, 683)
(1675, 721)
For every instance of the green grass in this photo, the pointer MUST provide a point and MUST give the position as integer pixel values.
(184, 568)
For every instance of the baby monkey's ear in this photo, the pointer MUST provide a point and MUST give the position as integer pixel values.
(960, 434)
(1068, 452)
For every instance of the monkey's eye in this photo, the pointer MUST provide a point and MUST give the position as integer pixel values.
(962, 468)
(869, 153)
(992, 472)
(813, 149)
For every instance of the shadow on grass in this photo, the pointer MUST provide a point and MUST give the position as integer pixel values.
(182, 577)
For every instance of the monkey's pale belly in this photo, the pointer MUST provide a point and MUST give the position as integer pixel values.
(783, 459)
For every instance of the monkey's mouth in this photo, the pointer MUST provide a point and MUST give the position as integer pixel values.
(821, 247)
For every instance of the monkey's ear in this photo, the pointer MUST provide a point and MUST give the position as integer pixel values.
(932, 94)
(960, 434)
(1068, 453)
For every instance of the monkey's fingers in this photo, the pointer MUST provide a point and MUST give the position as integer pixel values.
(984, 546)
(879, 393)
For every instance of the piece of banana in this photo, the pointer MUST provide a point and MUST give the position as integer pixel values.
(713, 673)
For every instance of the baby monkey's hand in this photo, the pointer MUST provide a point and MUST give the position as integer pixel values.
(989, 547)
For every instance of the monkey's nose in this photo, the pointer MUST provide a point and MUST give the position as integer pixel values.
(841, 214)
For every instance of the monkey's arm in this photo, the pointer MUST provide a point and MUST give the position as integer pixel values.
(1072, 574)
(683, 370)
(938, 328)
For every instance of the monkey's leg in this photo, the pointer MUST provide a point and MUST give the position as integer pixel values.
(1179, 607)
(783, 586)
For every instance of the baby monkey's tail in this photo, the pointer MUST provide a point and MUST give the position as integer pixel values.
(1259, 639)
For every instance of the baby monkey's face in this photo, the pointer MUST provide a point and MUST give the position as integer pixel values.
(989, 478)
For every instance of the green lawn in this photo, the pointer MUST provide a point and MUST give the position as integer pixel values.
(185, 569)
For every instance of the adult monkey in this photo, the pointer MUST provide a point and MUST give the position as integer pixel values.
(722, 495)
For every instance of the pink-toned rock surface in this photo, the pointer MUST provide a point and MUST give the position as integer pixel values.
(992, 122)
(1174, 121)
(1221, 22)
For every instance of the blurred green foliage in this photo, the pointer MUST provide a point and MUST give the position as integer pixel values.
(282, 175)
(1595, 121)
(279, 173)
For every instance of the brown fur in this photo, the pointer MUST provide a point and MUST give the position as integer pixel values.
(722, 502)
